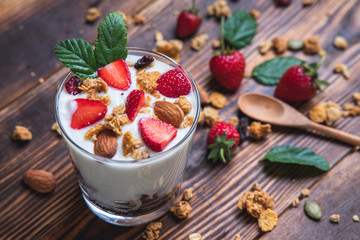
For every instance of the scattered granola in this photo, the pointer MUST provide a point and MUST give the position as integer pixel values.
(130, 147)
(217, 100)
(259, 131)
(145, 110)
(187, 194)
(104, 99)
(21, 133)
(170, 48)
(195, 236)
(219, 8)
(155, 94)
(279, 45)
(255, 13)
(152, 231)
(188, 121)
(312, 45)
(119, 109)
(322, 53)
(41, 80)
(308, 2)
(255, 202)
(265, 46)
(181, 210)
(342, 68)
(295, 202)
(305, 192)
(129, 64)
(340, 42)
(267, 220)
(128, 19)
(256, 187)
(356, 97)
(237, 237)
(93, 132)
(114, 122)
(94, 85)
(356, 218)
(351, 110)
(335, 218)
(327, 112)
(211, 116)
(139, 19)
(216, 44)
(92, 14)
(234, 121)
(147, 81)
(199, 42)
(55, 128)
(184, 104)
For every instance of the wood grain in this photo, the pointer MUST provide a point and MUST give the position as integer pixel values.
(63, 213)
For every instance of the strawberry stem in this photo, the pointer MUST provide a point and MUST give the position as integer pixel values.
(222, 40)
(193, 5)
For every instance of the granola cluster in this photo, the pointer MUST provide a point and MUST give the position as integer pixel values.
(55, 128)
(327, 112)
(104, 99)
(312, 45)
(184, 104)
(92, 14)
(351, 110)
(152, 231)
(217, 100)
(279, 45)
(187, 194)
(147, 81)
(93, 132)
(199, 42)
(259, 131)
(21, 133)
(343, 69)
(219, 8)
(170, 48)
(181, 210)
(267, 220)
(265, 46)
(211, 116)
(93, 85)
(188, 121)
(130, 147)
(340, 42)
(114, 122)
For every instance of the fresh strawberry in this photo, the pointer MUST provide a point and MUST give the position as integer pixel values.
(299, 83)
(116, 75)
(173, 84)
(222, 139)
(72, 86)
(188, 22)
(87, 112)
(134, 102)
(228, 69)
(156, 134)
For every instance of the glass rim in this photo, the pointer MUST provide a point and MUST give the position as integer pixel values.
(157, 155)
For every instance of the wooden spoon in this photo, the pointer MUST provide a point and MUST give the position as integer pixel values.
(274, 111)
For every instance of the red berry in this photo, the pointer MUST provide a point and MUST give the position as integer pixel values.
(223, 127)
(116, 74)
(188, 23)
(87, 112)
(156, 134)
(134, 102)
(72, 86)
(228, 69)
(173, 84)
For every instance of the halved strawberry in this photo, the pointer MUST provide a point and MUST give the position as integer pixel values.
(134, 102)
(173, 84)
(116, 74)
(87, 112)
(156, 134)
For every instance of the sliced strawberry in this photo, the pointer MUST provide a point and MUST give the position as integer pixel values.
(116, 74)
(134, 102)
(173, 84)
(156, 134)
(87, 112)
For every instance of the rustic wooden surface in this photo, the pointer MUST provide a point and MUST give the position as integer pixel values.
(29, 30)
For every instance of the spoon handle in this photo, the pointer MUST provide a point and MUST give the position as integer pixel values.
(334, 133)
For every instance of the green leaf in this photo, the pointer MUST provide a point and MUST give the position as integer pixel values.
(302, 156)
(240, 29)
(111, 42)
(78, 55)
(270, 72)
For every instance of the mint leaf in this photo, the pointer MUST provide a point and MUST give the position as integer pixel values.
(110, 44)
(302, 156)
(270, 72)
(240, 29)
(78, 55)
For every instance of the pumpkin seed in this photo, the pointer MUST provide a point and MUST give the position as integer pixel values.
(312, 209)
(295, 44)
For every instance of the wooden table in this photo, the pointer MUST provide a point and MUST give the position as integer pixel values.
(29, 30)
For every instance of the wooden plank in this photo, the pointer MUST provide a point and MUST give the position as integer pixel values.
(63, 213)
(335, 195)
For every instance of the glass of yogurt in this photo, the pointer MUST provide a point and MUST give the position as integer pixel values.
(123, 190)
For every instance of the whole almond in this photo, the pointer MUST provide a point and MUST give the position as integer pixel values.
(204, 96)
(169, 112)
(40, 180)
(106, 144)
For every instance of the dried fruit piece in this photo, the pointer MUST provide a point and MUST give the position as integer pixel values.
(106, 144)
(72, 86)
(267, 220)
(40, 180)
(152, 231)
(21, 133)
(217, 100)
(313, 210)
(279, 45)
(259, 131)
(169, 113)
(181, 210)
(340, 42)
(335, 218)
(144, 62)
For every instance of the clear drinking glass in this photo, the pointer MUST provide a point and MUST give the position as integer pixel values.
(131, 192)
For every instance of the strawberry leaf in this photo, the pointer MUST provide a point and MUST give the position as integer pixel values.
(302, 156)
(240, 29)
(269, 72)
(78, 55)
(221, 149)
(111, 42)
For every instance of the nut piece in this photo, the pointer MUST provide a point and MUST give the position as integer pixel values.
(152, 231)
(356, 218)
(195, 236)
(217, 100)
(92, 14)
(181, 210)
(342, 68)
(255, 13)
(21, 133)
(211, 116)
(204, 96)
(169, 112)
(259, 131)
(106, 144)
(218, 9)
(199, 42)
(55, 128)
(267, 220)
(335, 218)
(40, 180)
(340, 42)
(305, 192)
(187, 195)
(279, 45)
(265, 46)
(295, 202)
(184, 104)
(312, 45)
